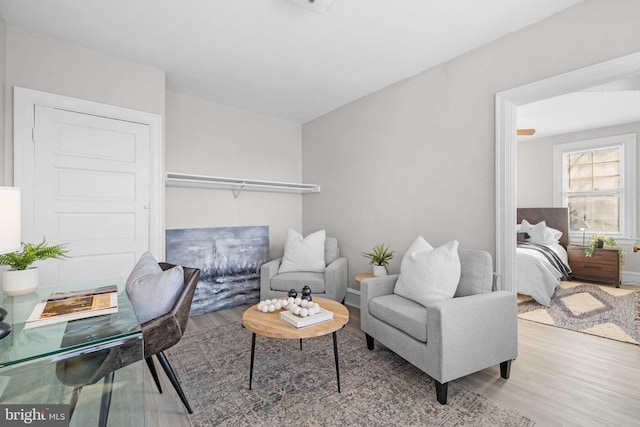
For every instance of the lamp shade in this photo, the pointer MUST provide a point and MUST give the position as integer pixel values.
(9, 219)
(583, 225)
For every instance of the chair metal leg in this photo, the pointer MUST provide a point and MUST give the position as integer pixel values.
(105, 402)
(74, 400)
(174, 381)
(154, 373)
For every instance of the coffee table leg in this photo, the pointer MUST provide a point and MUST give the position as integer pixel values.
(335, 352)
(253, 353)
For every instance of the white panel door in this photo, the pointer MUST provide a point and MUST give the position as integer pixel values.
(91, 190)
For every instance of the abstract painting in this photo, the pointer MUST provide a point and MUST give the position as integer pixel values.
(229, 259)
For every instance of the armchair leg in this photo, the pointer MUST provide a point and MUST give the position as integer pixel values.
(441, 392)
(174, 381)
(505, 369)
(154, 373)
(369, 341)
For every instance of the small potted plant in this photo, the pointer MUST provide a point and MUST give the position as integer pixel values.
(21, 278)
(379, 258)
(599, 241)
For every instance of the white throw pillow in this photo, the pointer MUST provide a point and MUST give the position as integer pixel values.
(303, 254)
(429, 275)
(152, 291)
(524, 226)
(553, 236)
(540, 234)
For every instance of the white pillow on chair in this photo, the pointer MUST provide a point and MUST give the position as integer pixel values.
(429, 275)
(152, 291)
(303, 254)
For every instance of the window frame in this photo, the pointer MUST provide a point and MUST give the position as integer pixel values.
(628, 198)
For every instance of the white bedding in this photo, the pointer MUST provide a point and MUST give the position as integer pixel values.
(536, 276)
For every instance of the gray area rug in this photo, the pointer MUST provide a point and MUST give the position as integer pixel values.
(601, 310)
(294, 387)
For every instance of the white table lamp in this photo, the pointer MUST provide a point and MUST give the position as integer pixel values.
(9, 219)
(583, 226)
(9, 235)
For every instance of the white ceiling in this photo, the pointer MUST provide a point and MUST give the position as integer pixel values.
(579, 111)
(273, 56)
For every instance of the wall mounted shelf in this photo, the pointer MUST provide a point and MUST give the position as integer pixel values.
(238, 184)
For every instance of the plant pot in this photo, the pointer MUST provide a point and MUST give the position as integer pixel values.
(20, 282)
(379, 270)
(599, 244)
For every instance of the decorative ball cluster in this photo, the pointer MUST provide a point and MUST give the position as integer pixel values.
(271, 305)
(298, 306)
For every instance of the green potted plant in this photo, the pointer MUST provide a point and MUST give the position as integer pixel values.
(21, 278)
(379, 258)
(599, 241)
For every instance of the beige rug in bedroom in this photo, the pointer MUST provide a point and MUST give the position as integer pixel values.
(601, 310)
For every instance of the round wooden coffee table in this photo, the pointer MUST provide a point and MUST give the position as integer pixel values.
(271, 326)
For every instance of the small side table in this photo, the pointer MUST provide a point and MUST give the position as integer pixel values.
(361, 277)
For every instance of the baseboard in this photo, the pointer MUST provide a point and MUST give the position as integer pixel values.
(631, 278)
(352, 298)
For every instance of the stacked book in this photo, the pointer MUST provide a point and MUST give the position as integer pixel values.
(300, 322)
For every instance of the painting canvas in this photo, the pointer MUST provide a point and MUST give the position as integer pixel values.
(229, 259)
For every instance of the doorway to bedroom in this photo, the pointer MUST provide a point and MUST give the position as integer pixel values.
(507, 104)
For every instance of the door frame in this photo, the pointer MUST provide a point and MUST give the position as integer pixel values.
(24, 103)
(506, 151)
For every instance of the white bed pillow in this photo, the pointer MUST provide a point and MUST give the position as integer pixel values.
(553, 236)
(429, 275)
(524, 226)
(303, 254)
(540, 234)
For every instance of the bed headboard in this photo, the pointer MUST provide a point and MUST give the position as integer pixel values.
(557, 218)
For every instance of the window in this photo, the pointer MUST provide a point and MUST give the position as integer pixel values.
(596, 180)
(593, 188)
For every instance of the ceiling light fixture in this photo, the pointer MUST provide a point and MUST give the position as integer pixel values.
(317, 6)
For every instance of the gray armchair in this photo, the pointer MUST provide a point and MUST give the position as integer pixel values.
(448, 339)
(332, 283)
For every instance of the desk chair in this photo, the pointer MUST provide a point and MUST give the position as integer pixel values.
(158, 334)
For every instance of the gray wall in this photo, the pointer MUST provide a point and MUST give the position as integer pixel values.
(418, 158)
(205, 138)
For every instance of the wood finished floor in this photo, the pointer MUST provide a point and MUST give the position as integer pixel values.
(560, 378)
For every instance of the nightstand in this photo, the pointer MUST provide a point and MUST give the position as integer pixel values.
(603, 266)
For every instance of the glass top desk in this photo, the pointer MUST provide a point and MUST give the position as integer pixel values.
(50, 364)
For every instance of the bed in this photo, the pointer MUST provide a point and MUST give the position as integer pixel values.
(541, 255)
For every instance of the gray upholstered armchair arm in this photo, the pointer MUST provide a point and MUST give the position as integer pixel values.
(267, 271)
(335, 279)
(371, 288)
(469, 333)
